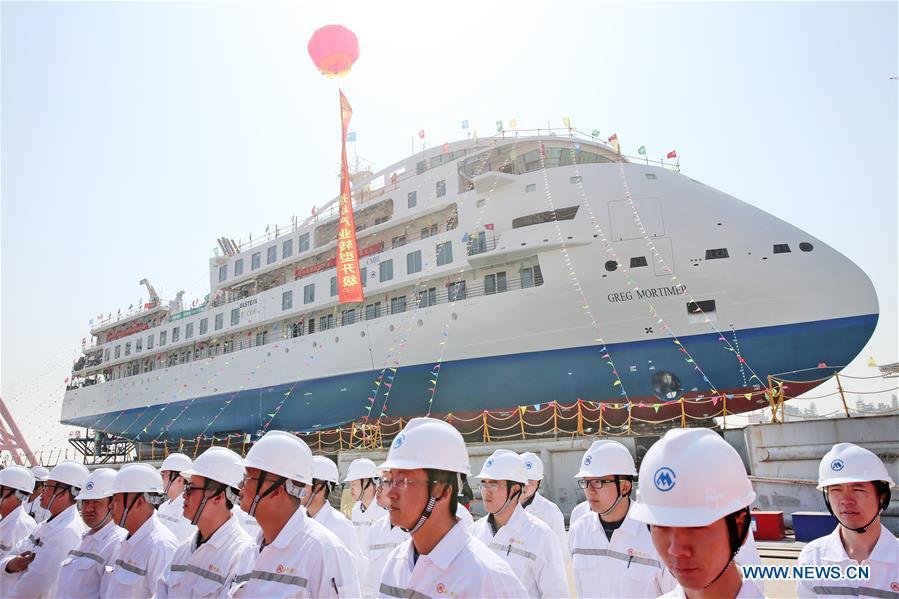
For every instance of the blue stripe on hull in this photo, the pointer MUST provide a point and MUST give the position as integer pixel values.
(510, 380)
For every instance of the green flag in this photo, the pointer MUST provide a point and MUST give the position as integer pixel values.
(595, 133)
(499, 126)
(641, 150)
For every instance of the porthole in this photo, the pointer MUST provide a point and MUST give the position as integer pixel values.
(362, 333)
(455, 316)
(611, 266)
(336, 339)
(420, 322)
(806, 246)
(390, 328)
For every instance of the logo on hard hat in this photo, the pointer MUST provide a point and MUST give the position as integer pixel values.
(398, 442)
(664, 479)
(588, 460)
(529, 465)
(837, 465)
(489, 463)
(89, 486)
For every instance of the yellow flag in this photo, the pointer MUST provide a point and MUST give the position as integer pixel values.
(567, 121)
(872, 361)
(513, 124)
(522, 408)
(474, 137)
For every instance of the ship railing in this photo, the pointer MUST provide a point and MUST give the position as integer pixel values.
(477, 245)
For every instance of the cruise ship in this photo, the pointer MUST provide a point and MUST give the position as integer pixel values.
(521, 269)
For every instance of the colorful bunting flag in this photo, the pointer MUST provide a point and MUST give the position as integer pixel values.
(465, 124)
(351, 136)
(566, 121)
(499, 126)
(641, 150)
(672, 154)
(513, 124)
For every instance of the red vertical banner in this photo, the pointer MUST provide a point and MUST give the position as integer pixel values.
(349, 286)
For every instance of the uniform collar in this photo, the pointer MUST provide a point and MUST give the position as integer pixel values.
(629, 526)
(884, 550)
(294, 526)
(446, 550)
(145, 529)
(323, 514)
(224, 532)
(101, 533)
(517, 519)
(63, 518)
(16, 514)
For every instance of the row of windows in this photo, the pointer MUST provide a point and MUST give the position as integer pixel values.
(271, 256)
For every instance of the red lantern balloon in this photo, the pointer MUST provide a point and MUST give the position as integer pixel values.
(333, 49)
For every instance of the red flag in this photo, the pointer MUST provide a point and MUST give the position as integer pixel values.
(349, 286)
(489, 226)
(446, 148)
(672, 154)
(421, 133)
(614, 137)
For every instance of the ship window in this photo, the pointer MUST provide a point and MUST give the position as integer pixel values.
(530, 187)
(138, 345)
(482, 202)
(128, 348)
(806, 246)
(427, 297)
(363, 275)
(326, 322)
(611, 265)
(219, 321)
(106, 351)
(287, 300)
(716, 254)
(204, 325)
(413, 262)
(347, 317)
(149, 344)
(638, 261)
(176, 334)
(118, 352)
(272, 255)
(456, 291)
(398, 304)
(545, 217)
(701, 307)
(333, 286)
(235, 316)
(412, 199)
(287, 248)
(444, 253)
(189, 330)
(223, 272)
(782, 248)
(304, 243)
(531, 276)
(309, 293)
(495, 283)
(163, 337)
(398, 241)
(238, 267)
(575, 179)
(255, 261)
(441, 188)
(372, 311)
(650, 175)
(386, 270)
(420, 167)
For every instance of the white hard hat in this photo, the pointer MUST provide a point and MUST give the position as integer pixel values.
(218, 464)
(849, 463)
(69, 473)
(176, 462)
(98, 484)
(533, 464)
(361, 468)
(40, 473)
(137, 478)
(607, 458)
(18, 478)
(325, 469)
(691, 477)
(505, 466)
(282, 454)
(428, 443)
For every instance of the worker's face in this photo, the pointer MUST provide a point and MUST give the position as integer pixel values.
(854, 504)
(694, 555)
(193, 496)
(494, 493)
(94, 511)
(8, 499)
(122, 500)
(407, 494)
(529, 490)
(603, 498)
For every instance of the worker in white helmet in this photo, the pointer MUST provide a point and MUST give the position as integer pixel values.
(16, 485)
(612, 554)
(171, 512)
(204, 565)
(856, 488)
(324, 479)
(299, 557)
(421, 484)
(523, 541)
(32, 567)
(537, 505)
(149, 546)
(83, 569)
(362, 477)
(695, 495)
(33, 505)
(383, 538)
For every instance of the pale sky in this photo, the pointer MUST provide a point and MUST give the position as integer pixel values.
(135, 134)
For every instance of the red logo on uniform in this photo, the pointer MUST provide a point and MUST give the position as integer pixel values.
(441, 588)
(895, 586)
(280, 568)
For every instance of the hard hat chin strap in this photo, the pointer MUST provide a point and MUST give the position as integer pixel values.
(432, 501)
(106, 518)
(511, 498)
(57, 492)
(736, 537)
(617, 501)
(127, 509)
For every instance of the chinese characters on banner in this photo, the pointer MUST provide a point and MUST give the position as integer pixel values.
(349, 286)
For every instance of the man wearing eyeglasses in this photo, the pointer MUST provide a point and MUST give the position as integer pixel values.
(204, 565)
(421, 485)
(523, 541)
(32, 567)
(612, 555)
(171, 512)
